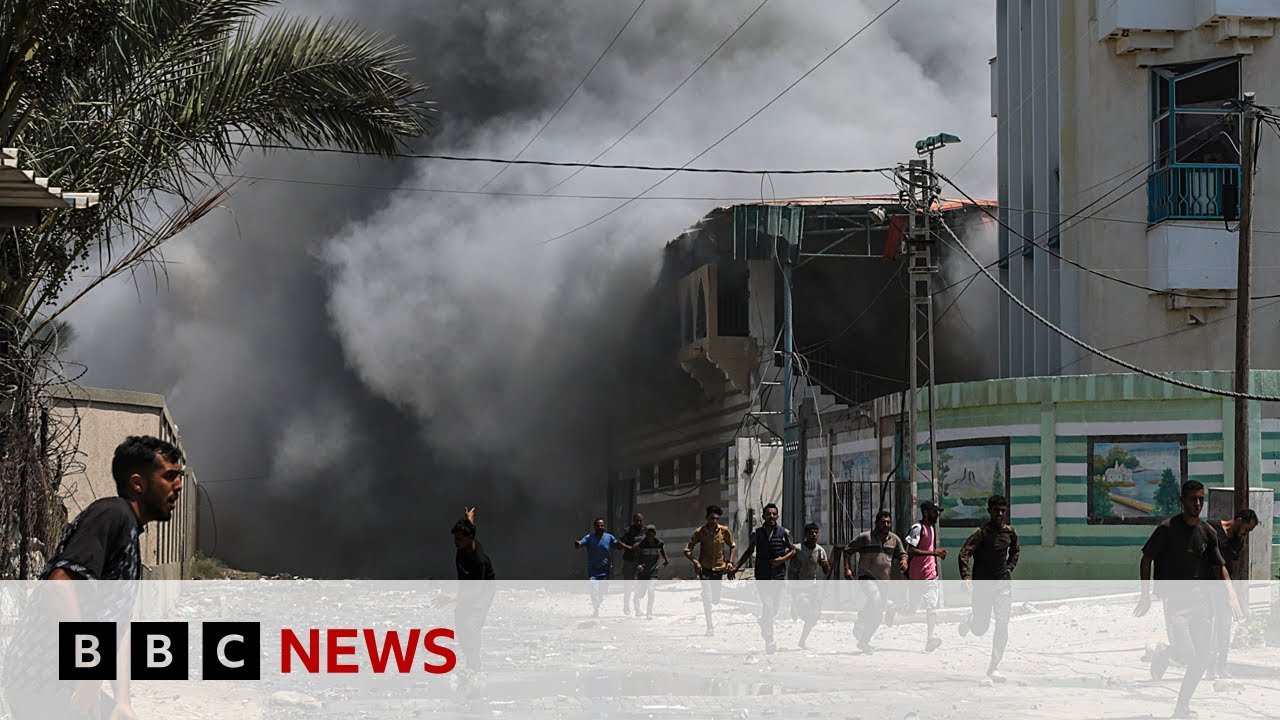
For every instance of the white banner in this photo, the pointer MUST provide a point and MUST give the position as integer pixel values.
(364, 649)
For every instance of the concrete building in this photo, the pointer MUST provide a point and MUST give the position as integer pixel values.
(706, 420)
(107, 417)
(1118, 148)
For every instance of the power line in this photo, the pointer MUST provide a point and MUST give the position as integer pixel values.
(1171, 333)
(1062, 226)
(1096, 351)
(576, 88)
(736, 128)
(827, 341)
(662, 102)
(598, 166)
(1082, 266)
(1128, 221)
(496, 193)
(244, 478)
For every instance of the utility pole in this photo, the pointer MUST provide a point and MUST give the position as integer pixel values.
(922, 265)
(1244, 289)
(792, 492)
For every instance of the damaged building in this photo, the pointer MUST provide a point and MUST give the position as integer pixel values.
(706, 422)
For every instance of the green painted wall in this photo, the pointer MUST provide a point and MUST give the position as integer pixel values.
(1058, 538)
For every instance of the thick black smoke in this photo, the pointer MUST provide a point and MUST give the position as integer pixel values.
(351, 365)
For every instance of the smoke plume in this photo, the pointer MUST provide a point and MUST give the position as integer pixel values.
(352, 358)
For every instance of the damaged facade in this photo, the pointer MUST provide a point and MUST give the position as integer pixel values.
(707, 424)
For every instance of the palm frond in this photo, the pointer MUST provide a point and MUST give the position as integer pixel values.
(164, 103)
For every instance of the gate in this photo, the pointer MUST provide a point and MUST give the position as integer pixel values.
(854, 504)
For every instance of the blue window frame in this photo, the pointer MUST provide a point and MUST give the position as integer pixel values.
(1195, 140)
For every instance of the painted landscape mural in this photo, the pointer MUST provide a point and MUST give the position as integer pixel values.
(1135, 479)
(969, 472)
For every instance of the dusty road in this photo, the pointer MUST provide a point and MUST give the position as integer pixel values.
(545, 656)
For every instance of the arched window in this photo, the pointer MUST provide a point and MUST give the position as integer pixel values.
(686, 320)
(700, 320)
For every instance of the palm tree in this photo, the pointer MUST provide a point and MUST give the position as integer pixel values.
(151, 104)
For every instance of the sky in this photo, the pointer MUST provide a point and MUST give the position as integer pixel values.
(351, 359)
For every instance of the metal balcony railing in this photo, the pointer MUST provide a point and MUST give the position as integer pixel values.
(1190, 192)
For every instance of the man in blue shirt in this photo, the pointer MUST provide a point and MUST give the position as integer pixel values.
(599, 545)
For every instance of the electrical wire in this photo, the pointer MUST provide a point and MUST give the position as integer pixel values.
(593, 165)
(1085, 268)
(1097, 351)
(664, 100)
(498, 193)
(827, 341)
(1061, 226)
(727, 135)
(213, 516)
(1161, 336)
(576, 88)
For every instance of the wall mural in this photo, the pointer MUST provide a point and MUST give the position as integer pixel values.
(970, 472)
(1135, 479)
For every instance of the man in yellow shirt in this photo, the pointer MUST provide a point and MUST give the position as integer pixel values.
(712, 563)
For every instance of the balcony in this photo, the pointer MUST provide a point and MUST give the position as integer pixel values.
(1191, 192)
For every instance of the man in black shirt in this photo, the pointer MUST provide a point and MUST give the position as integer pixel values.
(1232, 535)
(1183, 548)
(474, 599)
(772, 545)
(101, 544)
(650, 551)
(628, 540)
(995, 552)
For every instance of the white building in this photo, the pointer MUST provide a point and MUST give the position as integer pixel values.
(1118, 111)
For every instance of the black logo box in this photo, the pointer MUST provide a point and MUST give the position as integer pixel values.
(159, 651)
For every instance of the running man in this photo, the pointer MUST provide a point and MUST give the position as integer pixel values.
(628, 542)
(599, 545)
(1232, 535)
(810, 565)
(923, 556)
(878, 551)
(1183, 548)
(102, 543)
(649, 551)
(772, 545)
(713, 562)
(994, 550)
(474, 599)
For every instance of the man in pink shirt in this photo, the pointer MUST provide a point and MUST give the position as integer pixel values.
(923, 555)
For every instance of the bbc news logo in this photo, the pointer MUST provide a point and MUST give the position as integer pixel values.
(233, 651)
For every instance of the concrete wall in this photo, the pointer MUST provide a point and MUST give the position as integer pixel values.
(1096, 108)
(107, 417)
(1041, 430)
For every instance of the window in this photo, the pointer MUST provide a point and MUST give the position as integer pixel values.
(666, 473)
(686, 321)
(712, 464)
(644, 479)
(1194, 121)
(1195, 140)
(700, 320)
(688, 469)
